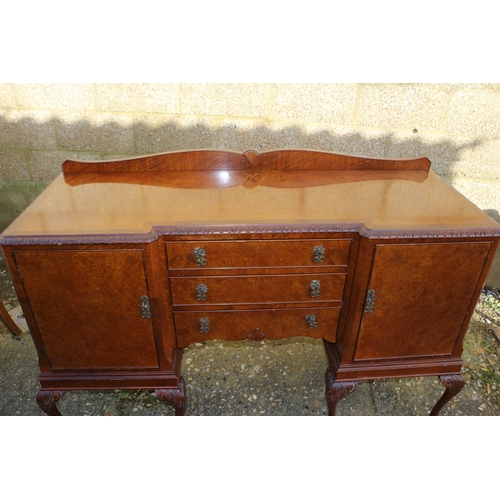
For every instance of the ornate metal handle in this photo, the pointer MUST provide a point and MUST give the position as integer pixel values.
(200, 255)
(145, 307)
(319, 253)
(369, 302)
(204, 325)
(311, 321)
(201, 292)
(315, 291)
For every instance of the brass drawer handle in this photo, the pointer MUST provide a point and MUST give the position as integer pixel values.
(369, 302)
(201, 292)
(311, 321)
(318, 253)
(204, 325)
(200, 255)
(315, 291)
(145, 307)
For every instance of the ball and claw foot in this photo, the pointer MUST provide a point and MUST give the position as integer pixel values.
(175, 397)
(454, 384)
(335, 391)
(47, 400)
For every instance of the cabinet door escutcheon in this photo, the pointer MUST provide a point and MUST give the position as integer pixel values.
(369, 302)
(145, 307)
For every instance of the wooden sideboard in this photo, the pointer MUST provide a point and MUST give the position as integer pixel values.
(119, 265)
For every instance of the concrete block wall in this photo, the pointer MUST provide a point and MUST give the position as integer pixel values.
(457, 126)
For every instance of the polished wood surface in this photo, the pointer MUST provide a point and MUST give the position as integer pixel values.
(242, 325)
(257, 289)
(120, 264)
(109, 208)
(237, 254)
(87, 307)
(285, 159)
(432, 282)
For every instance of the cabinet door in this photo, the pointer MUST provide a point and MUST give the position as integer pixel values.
(418, 298)
(87, 307)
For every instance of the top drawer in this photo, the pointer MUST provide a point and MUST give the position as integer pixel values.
(275, 253)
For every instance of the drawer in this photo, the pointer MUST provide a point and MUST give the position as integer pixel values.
(231, 254)
(256, 324)
(254, 289)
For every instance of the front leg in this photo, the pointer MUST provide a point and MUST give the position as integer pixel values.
(335, 391)
(47, 400)
(454, 384)
(176, 397)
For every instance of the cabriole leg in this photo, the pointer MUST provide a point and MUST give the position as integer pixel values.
(47, 400)
(174, 397)
(454, 384)
(335, 391)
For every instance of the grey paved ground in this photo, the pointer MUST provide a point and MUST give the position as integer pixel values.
(262, 378)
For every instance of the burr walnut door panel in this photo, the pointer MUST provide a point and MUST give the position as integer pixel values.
(88, 305)
(418, 298)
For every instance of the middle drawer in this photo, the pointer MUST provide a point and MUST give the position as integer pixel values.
(257, 289)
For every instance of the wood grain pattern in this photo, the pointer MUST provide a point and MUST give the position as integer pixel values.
(287, 159)
(107, 212)
(296, 159)
(87, 307)
(256, 289)
(346, 370)
(240, 325)
(235, 254)
(422, 295)
(172, 161)
(250, 179)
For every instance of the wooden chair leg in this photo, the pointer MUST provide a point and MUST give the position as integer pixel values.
(8, 321)
(454, 384)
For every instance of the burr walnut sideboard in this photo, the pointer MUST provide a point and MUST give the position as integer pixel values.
(119, 265)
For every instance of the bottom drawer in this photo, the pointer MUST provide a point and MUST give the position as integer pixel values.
(256, 324)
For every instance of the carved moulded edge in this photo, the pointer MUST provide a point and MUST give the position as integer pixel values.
(88, 239)
(181, 230)
(256, 229)
(428, 233)
(230, 229)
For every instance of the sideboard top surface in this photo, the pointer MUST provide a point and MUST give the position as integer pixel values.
(98, 198)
